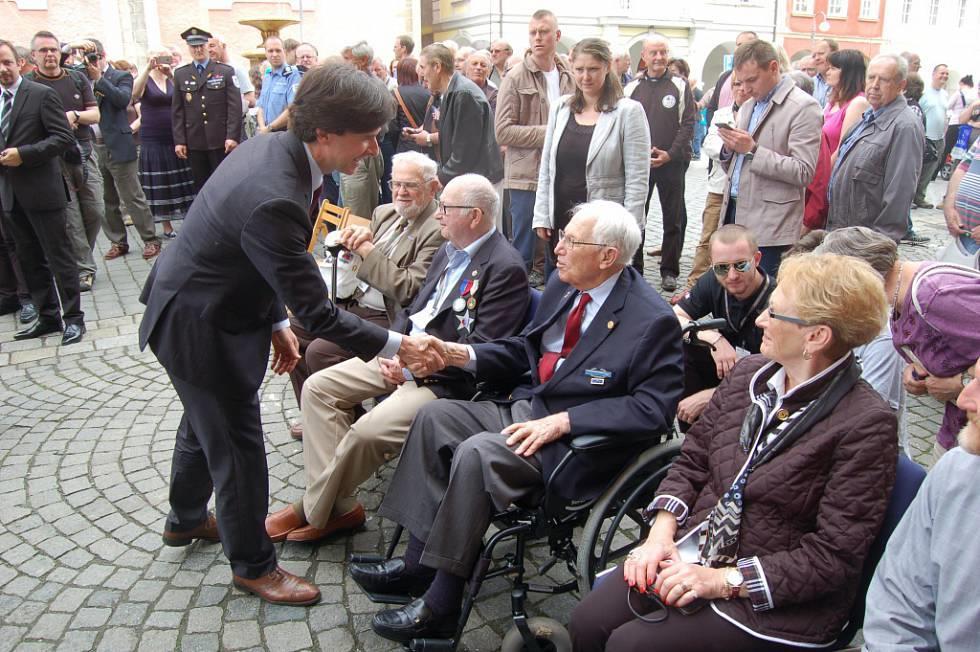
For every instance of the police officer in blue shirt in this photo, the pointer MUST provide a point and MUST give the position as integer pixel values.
(278, 87)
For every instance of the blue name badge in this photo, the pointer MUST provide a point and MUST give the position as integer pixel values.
(598, 376)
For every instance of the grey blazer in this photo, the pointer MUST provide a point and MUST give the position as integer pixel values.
(618, 165)
(875, 182)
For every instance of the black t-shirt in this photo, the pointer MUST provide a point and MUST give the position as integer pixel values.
(708, 297)
(76, 96)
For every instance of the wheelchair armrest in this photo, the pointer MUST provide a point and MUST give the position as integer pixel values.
(597, 442)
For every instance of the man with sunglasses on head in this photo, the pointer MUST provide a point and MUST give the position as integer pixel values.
(737, 290)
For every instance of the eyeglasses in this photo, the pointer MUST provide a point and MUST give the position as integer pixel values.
(741, 266)
(442, 208)
(570, 243)
(792, 320)
(411, 186)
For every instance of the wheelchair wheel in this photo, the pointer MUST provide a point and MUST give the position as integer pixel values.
(550, 635)
(616, 525)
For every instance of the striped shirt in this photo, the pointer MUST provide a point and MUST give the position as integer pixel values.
(967, 200)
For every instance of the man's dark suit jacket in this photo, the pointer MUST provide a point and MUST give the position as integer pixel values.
(633, 344)
(215, 293)
(467, 142)
(40, 132)
(502, 298)
(114, 92)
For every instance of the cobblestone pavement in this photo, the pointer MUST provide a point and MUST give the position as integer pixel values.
(86, 435)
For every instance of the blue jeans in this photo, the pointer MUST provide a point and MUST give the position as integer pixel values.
(521, 215)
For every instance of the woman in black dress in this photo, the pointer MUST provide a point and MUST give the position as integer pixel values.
(166, 180)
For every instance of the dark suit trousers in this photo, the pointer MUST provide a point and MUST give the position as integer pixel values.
(603, 621)
(669, 181)
(318, 353)
(203, 163)
(43, 250)
(455, 472)
(12, 282)
(220, 448)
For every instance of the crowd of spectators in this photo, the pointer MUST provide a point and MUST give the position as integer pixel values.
(484, 173)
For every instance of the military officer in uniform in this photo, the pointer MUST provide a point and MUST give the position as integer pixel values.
(207, 109)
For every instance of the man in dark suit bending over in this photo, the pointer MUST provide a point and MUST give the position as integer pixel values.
(218, 295)
(603, 355)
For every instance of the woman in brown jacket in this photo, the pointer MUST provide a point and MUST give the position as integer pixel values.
(763, 522)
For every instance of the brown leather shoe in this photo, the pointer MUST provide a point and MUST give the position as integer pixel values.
(280, 587)
(151, 250)
(116, 250)
(653, 251)
(206, 531)
(296, 431)
(278, 525)
(349, 521)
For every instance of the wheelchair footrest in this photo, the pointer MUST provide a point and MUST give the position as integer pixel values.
(431, 644)
(385, 598)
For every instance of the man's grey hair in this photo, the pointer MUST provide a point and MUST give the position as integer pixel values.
(900, 62)
(361, 50)
(464, 52)
(656, 38)
(802, 81)
(504, 44)
(421, 162)
(483, 54)
(614, 226)
(476, 190)
(872, 247)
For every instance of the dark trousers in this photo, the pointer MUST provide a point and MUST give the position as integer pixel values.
(700, 372)
(455, 472)
(12, 282)
(669, 181)
(47, 261)
(318, 353)
(603, 621)
(771, 255)
(203, 162)
(220, 448)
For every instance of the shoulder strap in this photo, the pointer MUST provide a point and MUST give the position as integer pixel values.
(408, 114)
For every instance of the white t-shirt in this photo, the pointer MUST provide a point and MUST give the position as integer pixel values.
(551, 79)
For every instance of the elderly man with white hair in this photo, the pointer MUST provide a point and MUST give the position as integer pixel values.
(477, 70)
(874, 178)
(476, 290)
(601, 343)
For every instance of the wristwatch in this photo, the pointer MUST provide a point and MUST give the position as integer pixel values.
(751, 153)
(428, 139)
(733, 583)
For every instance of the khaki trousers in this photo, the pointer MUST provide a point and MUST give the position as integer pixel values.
(340, 453)
(709, 224)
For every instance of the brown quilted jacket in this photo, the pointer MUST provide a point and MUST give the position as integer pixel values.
(810, 513)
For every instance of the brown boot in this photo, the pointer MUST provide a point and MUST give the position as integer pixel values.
(116, 250)
(280, 587)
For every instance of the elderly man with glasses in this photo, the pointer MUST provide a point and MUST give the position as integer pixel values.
(387, 264)
(602, 355)
(737, 291)
(476, 290)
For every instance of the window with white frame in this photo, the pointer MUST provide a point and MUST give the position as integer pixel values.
(869, 9)
(837, 9)
(906, 12)
(802, 6)
(933, 12)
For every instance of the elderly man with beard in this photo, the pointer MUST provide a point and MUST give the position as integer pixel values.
(476, 290)
(923, 595)
(394, 255)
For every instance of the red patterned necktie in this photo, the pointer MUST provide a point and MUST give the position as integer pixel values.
(573, 331)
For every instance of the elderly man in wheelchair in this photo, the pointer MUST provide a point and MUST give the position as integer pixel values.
(601, 355)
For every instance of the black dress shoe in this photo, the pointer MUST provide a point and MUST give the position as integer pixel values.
(73, 334)
(390, 577)
(39, 328)
(414, 620)
(28, 313)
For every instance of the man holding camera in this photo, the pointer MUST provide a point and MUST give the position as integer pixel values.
(116, 148)
(86, 210)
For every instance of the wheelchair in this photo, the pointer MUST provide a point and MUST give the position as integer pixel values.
(611, 525)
